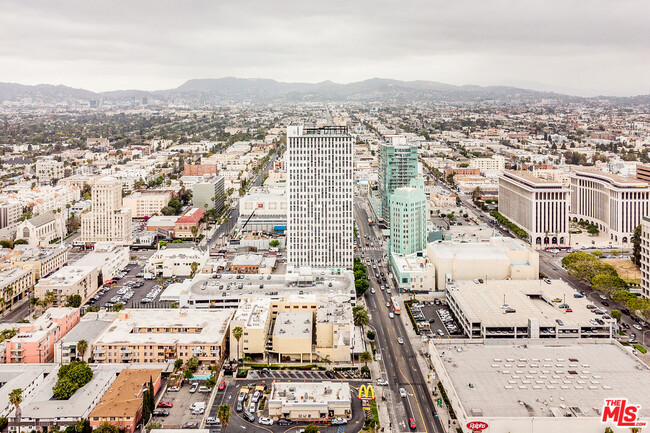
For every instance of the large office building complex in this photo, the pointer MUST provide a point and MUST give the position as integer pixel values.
(398, 164)
(540, 207)
(613, 203)
(107, 221)
(408, 219)
(320, 184)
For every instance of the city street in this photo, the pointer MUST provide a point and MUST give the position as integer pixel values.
(398, 361)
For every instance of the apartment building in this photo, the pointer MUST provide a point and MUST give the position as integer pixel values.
(183, 226)
(152, 336)
(398, 164)
(176, 261)
(613, 203)
(645, 256)
(320, 188)
(121, 405)
(495, 163)
(34, 342)
(70, 280)
(15, 284)
(199, 169)
(42, 260)
(10, 211)
(107, 221)
(48, 170)
(408, 218)
(209, 193)
(146, 204)
(540, 207)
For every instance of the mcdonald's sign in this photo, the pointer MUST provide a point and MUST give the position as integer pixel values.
(366, 392)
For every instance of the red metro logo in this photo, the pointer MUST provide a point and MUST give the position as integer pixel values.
(477, 426)
(621, 414)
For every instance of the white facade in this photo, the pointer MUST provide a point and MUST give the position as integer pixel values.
(263, 208)
(538, 206)
(107, 221)
(49, 169)
(613, 203)
(645, 256)
(497, 162)
(320, 189)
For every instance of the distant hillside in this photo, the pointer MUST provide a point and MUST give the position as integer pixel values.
(230, 89)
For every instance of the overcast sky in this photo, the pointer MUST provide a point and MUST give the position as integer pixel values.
(586, 47)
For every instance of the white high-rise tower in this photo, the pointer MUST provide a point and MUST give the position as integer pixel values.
(320, 190)
(107, 221)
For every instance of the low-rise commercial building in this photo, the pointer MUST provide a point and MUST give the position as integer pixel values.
(413, 273)
(121, 405)
(547, 387)
(34, 342)
(263, 209)
(499, 259)
(292, 336)
(311, 401)
(523, 309)
(70, 280)
(176, 261)
(108, 257)
(150, 336)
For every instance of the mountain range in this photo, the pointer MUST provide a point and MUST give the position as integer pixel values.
(229, 89)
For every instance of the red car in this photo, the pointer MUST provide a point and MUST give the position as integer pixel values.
(412, 424)
(165, 404)
(222, 385)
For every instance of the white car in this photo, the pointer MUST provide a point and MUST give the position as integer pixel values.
(400, 340)
(211, 420)
(637, 327)
(372, 291)
(391, 315)
(382, 382)
(265, 421)
(402, 392)
(339, 420)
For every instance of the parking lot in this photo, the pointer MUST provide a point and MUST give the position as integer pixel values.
(296, 374)
(180, 412)
(436, 316)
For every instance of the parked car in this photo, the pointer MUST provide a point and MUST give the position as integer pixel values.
(248, 417)
(174, 388)
(194, 387)
(382, 382)
(211, 420)
(165, 404)
(222, 385)
(239, 406)
(265, 421)
(284, 421)
(339, 420)
(203, 388)
(161, 412)
(191, 424)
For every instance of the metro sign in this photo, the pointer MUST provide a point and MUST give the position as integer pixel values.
(621, 414)
(477, 426)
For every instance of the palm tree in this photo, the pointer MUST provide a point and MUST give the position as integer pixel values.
(237, 333)
(15, 398)
(82, 345)
(9, 292)
(224, 414)
(195, 232)
(360, 316)
(50, 297)
(3, 304)
(365, 357)
(194, 266)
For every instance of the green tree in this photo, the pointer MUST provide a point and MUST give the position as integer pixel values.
(195, 231)
(194, 266)
(73, 301)
(360, 316)
(616, 315)
(193, 363)
(178, 364)
(237, 333)
(370, 335)
(82, 346)
(188, 374)
(361, 285)
(274, 243)
(636, 246)
(153, 425)
(311, 428)
(15, 398)
(106, 428)
(224, 414)
(118, 307)
(592, 230)
(597, 253)
(70, 378)
(146, 410)
(365, 357)
(606, 283)
(210, 382)
(609, 430)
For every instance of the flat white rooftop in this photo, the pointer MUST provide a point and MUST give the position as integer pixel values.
(525, 380)
(307, 393)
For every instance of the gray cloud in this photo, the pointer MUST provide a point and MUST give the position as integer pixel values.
(588, 47)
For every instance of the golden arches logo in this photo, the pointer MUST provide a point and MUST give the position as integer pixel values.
(366, 392)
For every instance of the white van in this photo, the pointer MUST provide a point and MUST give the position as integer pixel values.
(197, 406)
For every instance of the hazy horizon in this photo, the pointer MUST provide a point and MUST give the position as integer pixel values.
(552, 45)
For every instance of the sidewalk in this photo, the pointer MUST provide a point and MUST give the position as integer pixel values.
(382, 406)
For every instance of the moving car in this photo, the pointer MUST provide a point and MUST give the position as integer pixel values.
(391, 315)
(382, 382)
(402, 392)
(412, 425)
(400, 340)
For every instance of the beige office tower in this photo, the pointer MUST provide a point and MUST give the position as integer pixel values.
(107, 221)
